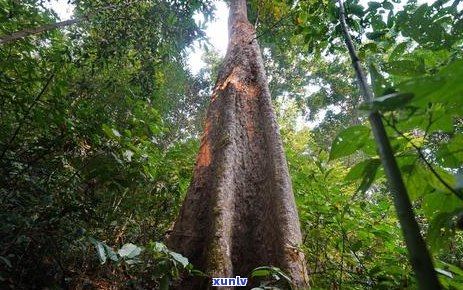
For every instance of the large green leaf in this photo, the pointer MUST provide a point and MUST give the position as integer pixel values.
(356, 9)
(446, 86)
(375, 35)
(388, 102)
(439, 231)
(179, 258)
(439, 202)
(373, 5)
(399, 51)
(378, 82)
(111, 253)
(451, 154)
(367, 171)
(348, 141)
(129, 251)
(103, 251)
(416, 179)
(261, 272)
(406, 67)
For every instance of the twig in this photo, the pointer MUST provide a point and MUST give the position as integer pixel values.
(342, 256)
(346, 240)
(26, 115)
(428, 164)
(272, 27)
(370, 279)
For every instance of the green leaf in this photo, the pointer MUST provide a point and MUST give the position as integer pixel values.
(198, 273)
(406, 67)
(110, 252)
(390, 19)
(360, 169)
(111, 132)
(416, 180)
(357, 171)
(388, 5)
(447, 177)
(258, 272)
(388, 102)
(369, 175)
(443, 272)
(377, 23)
(439, 231)
(275, 272)
(375, 34)
(442, 119)
(348, 141)
(100, 250)
(373, 5)
(398, 50)
(160, 247)
(422, 88)
(444, 87)
(129, 251)
(453, 90)
(155, 129)
(179, 258)
(379, 83)
(439, 202)
(452, 268)
(356, 9)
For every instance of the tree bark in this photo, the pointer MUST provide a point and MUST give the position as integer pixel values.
(239, 212)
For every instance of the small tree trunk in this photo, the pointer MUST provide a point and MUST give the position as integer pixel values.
(239, 212)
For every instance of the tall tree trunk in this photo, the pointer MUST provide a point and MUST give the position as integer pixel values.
(239, 212)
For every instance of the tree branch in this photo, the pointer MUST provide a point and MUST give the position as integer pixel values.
(277, 23)
(30, 31)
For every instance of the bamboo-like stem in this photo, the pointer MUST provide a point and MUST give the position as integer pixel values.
(417, 251)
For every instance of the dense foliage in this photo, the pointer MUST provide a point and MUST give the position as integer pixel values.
(98, 136)
(100, 122)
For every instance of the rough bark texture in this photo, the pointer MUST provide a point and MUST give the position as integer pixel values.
(239, 212)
